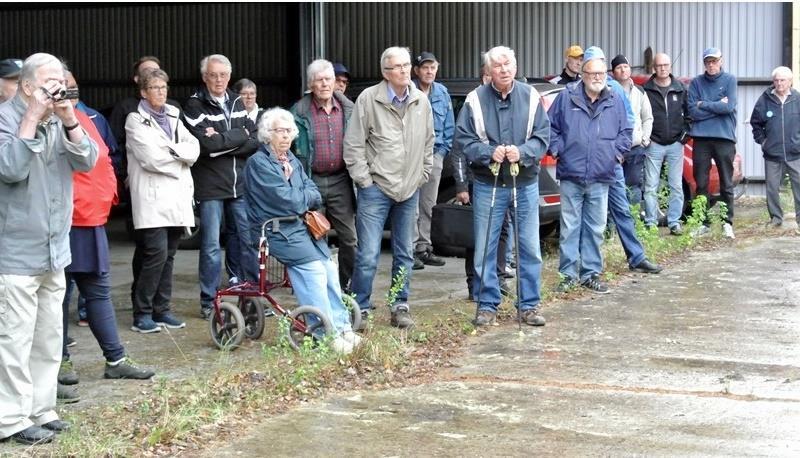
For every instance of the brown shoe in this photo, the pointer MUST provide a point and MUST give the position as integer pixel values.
(484, 318)
(531, 317)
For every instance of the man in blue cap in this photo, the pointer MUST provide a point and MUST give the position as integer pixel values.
(342, 77)
(712, 107)
(9, 78)
(590, 132)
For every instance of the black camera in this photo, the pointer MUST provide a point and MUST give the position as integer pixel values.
(63, 94)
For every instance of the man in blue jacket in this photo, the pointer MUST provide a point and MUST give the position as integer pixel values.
(504, 123)
(776, 127)
(425, 68)
(712, 107)
(590, 133)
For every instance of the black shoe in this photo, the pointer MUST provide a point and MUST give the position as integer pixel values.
(365, 314)
(418, 264)
(126, 369)
(676, 229)
(430, 259)
(566, 284)
(593, 283)
(206, 312)
(57, 426)
(67, 394)
(33, 435)
(646, 267)
(71, 342)
(67, 374)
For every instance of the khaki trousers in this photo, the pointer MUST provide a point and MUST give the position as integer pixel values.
(30, 349)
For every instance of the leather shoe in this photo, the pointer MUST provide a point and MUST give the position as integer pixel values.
(430, 259)
(646, 267)
(418, 264)
(57, 426)
(33, 435)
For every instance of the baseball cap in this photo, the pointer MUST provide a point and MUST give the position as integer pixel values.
(592, 53)
(423, 57)
(10, 68)
(619, 60)
(712, 52)
(340, 69)
(573, 51)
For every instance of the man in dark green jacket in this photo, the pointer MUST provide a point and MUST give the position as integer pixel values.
(321, 117)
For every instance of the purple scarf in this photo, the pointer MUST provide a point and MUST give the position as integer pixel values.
(160, 117)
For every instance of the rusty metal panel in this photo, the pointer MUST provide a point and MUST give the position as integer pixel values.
(104, 41)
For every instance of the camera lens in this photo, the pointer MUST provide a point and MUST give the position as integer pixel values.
(60, 94)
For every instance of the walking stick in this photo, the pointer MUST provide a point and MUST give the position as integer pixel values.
(514, 172)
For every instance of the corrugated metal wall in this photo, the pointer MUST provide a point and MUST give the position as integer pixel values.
(749, 34)
(101, 43)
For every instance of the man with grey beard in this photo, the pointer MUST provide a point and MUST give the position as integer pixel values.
(589, 135)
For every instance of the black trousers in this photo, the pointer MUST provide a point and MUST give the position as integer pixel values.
(151, 290)
(722, 152)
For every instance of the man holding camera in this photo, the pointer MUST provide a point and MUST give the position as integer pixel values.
(41, 145)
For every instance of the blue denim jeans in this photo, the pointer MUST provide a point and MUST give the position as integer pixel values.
(633, 167)
(240, 252)
(656, 155)
(95, 287)
(620, 210)
(530, 258)
(373, 208)
(583, 218)
(317, 283)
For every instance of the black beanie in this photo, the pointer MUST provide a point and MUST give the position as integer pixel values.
(620, 59)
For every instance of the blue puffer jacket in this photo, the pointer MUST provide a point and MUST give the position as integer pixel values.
(776, 126)
(270, 196)
(588, 145)
(713, 118)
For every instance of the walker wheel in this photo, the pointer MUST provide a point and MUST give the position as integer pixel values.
(307, 324)
(227, 327)
(252, 309)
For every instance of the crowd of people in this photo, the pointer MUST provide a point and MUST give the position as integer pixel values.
(359, 162)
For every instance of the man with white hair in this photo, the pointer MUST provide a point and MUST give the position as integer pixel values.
(503, 125)
(590, 133)
(217, 117)
(41, 145)
(776, 127)
(321, 116)
(388, 149)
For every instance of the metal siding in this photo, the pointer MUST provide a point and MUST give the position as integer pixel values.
(109, 39)
(749, 35)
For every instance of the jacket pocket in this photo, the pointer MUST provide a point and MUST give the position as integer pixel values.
(152, 189)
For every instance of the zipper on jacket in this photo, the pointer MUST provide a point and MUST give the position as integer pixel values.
(783, 130)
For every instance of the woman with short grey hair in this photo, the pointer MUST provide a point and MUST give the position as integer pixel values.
(277, 186)
(248, 92)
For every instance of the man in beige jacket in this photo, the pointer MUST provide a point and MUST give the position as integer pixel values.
(388, 149)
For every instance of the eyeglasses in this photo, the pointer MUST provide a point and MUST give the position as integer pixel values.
(399, 67)
(218, 76)
(661, 65)
(595, 75)
(247, 94)
(281, 130)
(710, 61)
(157, 88)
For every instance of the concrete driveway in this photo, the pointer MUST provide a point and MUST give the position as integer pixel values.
(701, 360)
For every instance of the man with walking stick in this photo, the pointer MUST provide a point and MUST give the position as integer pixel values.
(502, 124)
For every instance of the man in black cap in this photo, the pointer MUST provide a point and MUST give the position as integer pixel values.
(425, 68)
(342, 77)
(9, 78)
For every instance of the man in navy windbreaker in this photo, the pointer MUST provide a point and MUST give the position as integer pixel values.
(776, 127)
(590, 133)
(712, 107)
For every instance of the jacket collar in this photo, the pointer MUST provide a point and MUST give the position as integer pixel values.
(305, 102)
(576, 93)
(383, 90)
(674, 86)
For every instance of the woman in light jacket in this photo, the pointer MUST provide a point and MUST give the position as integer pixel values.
(160, 153)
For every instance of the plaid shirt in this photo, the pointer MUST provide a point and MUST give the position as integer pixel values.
(328, 136)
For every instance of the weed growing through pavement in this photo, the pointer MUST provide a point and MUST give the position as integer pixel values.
(398, 282)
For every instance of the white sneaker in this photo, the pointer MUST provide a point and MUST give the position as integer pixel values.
(727, 229)
(341, 345)
(352, 337)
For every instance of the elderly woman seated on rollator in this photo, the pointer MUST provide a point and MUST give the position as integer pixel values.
(277, 186)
